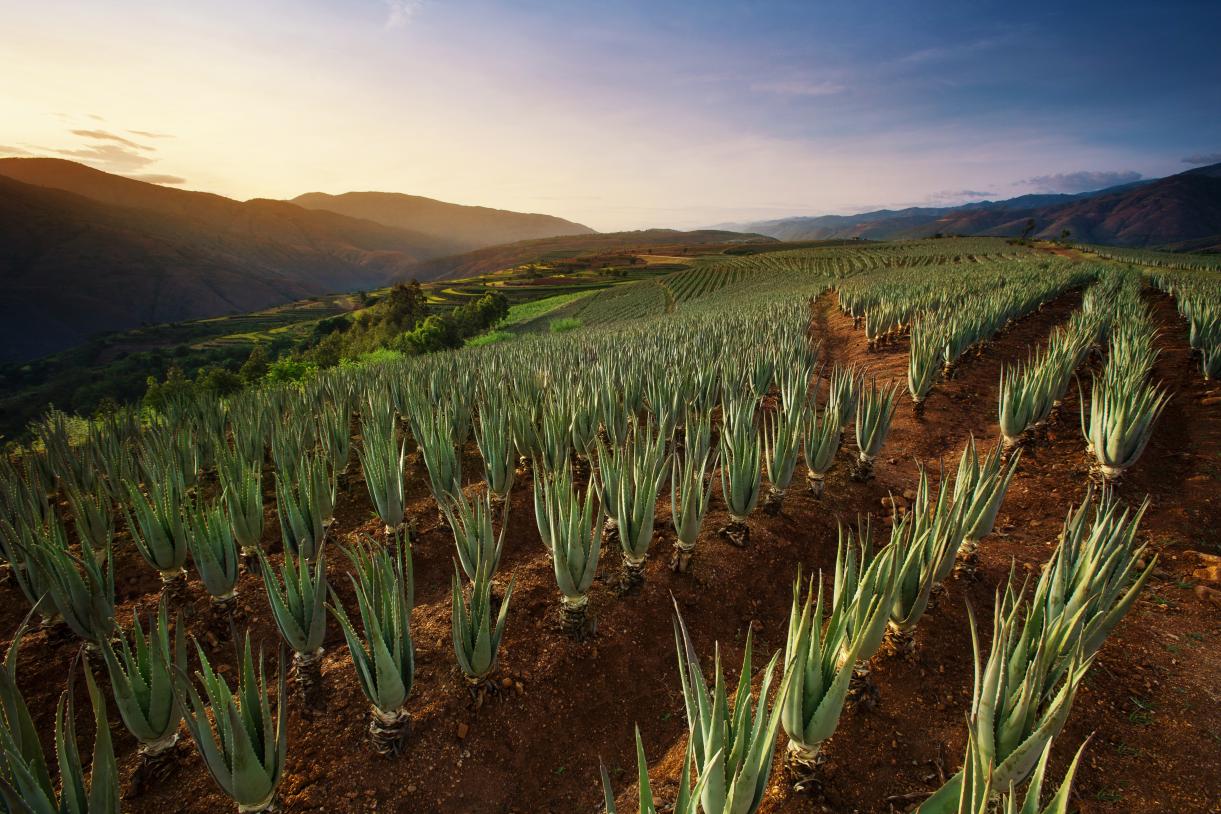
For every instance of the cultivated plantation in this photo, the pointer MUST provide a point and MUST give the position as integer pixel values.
(921, 526)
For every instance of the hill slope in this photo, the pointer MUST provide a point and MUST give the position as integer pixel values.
(1183, 209)
(71, 267)
(470, 227)
(83, 251)
(495, 258)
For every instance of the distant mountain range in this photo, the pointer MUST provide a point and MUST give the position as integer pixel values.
(1180, 211)
(83, 251)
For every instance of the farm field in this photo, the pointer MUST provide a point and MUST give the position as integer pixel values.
(745, 421)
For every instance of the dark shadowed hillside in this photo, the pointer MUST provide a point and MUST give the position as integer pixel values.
(71, 267)
(84, 251)
(471, 227)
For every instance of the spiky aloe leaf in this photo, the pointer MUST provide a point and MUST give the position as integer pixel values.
(246, 744)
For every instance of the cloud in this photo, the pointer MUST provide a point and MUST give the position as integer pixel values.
(115, 156)
(104, 135)
(401, 12)
(1203, 158)
(1083, 181)
(798, 87)
(15, 151)
(148, 134)
(158, 178)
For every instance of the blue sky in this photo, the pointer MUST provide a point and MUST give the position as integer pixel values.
(620, 115)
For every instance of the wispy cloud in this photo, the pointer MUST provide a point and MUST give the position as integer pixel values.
(799, 87)
(106, 135)
(401, 12)
(1083, 181)
(1203, 158)
(113, 156)
(148, 134)
(9, 151)
(941, 53)
(158, 178)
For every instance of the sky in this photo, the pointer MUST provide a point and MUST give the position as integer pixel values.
(619, 115)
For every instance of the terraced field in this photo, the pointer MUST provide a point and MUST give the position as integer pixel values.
(866, 474)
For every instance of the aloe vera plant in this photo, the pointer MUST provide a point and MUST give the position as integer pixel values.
(142, 671)
(1122, 413)
(297, 598)
(335, 429)
(688, 801)
(631, 480)
(922, 363)
(782, 435)
(1022, 695)
(433, 433)
(18, 540)
(979, 792)
(741, 465)
(242, 493)
(980, 486)
(381, 458)
(476, 634)
(926, 540)
(91, 514)
(214, 553)
(844, 391)
(732, 747)
(690, 496)
(571, 529)
(246, 744)
(157, 529)
(81, 589)
(477, 544)
(866, 586)
(1093, 576)
(874, 412)
(495, 441)
(385, 661)
(25, 780)
(819, 657)
(820, 441)
(302, 505)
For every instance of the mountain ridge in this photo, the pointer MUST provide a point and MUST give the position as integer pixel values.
(1181, 209)
(475, 226)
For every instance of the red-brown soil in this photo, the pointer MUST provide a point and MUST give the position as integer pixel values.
(1150, 700)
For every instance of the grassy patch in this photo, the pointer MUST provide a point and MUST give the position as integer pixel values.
(559, 326)
(526, 311)
(490, 338)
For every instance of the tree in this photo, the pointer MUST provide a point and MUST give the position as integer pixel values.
(174, 389)
(1029, 230)
(255, 366)
(405, 305)
(218, 381)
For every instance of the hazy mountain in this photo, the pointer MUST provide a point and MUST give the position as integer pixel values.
(471, 227)
(1179, 210)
